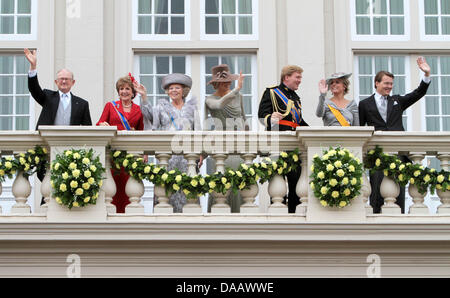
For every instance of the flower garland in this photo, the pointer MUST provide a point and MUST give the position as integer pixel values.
(194, 187)
(76, 178)
(27, 163)
(403, 173)
(336, 177)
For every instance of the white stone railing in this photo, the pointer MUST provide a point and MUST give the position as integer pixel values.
(219, 145)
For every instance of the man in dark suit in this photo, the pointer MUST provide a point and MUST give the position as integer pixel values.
(280, 109)
(384, 112)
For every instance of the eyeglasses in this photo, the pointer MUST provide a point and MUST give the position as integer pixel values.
(64, 79)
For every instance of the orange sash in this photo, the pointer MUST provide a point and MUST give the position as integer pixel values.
(339, 116)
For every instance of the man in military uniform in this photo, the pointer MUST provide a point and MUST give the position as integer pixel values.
(280, 109)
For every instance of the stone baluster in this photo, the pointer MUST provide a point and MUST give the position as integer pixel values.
(444, 195)
(220, 200)
(302, 188)
(135, 190)
(418, 199)
(192, 205)
(162, 205)
(46, 191)
(366, 191)
(109, 187)
(21, 190)
(390, 190)
(277, 190)
(249, 195)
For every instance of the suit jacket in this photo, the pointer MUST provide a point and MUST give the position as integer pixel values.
(397, 104)
(49, 100)
(266, 108)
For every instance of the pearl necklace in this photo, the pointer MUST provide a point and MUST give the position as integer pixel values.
(127, 105)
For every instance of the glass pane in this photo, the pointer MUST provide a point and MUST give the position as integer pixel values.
(432, 106)
(228, 25)
(445, 25)
(161, 6)
(23, 25)
(245, 65)
(22, 105)
(397, 26)
(212, 25)
(6, 64)
(177, 7)
(212, 6)
(445, 105)
(399, 85)
(396, 7)
(210, 62)
(7, 6)
(6, 105)
(158, 85)
(445, 7)
(179, 65)
(379, 6)
(209, 88)
(398, 65)
(380, 26)
(247, 86)
(381, 63)
(24, 6)
(22, 85)
(177, 25)
(146, 64)
(145, 25)
(433, 62)
(145, 6)
(434, 163)
(6, 85)
(228, 6)
(6, 123)
(431, 7)
(445, 65)
(7, 25)
(162, 65)
(22, 123)
(363, 25)
(405, 123)
(247, 103)
(431, 26)
(365, 65)
(231, 62)
(433, 89)
(245, 6)
(147, 81)
(245, 25)
(365, 85)
(446, 124)
(22, 65)
(362, 6)
(161, 25)
(445, 87)
(433, 124)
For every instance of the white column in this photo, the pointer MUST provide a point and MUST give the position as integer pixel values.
(46, 190)
(220, 200)
(418, 207)
(390, 190)
(303, 186)
(162, 205)
(109, 186)
(249, 195)
(192, 205)
(444, 195)
(21, 190)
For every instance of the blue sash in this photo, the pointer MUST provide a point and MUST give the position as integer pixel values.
(122, 117)
(295, 112)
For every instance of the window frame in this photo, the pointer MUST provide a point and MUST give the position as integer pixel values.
(423, 36)
(372, 37)
(228, 37)
(33, 25)
(161, 37)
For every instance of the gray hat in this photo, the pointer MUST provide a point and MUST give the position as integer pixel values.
(176, 78)
(338, 75)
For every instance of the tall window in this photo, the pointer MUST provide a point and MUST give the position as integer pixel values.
(380, 19)
(17, 19)
(368, 66)
(153, 68)
(15, 110)
(233, 19)
(161, 19)
(435, 20)
(237, 63)
(437, 100)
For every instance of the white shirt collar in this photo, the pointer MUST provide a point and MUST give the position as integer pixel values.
(69, 96)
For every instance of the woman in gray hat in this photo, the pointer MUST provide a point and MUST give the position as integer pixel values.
(174, 114)
(337, 111)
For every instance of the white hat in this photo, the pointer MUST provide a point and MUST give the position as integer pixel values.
(338, 75)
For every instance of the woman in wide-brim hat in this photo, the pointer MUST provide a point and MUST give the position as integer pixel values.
(174, 114)
(337, 111)
(225, 104)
